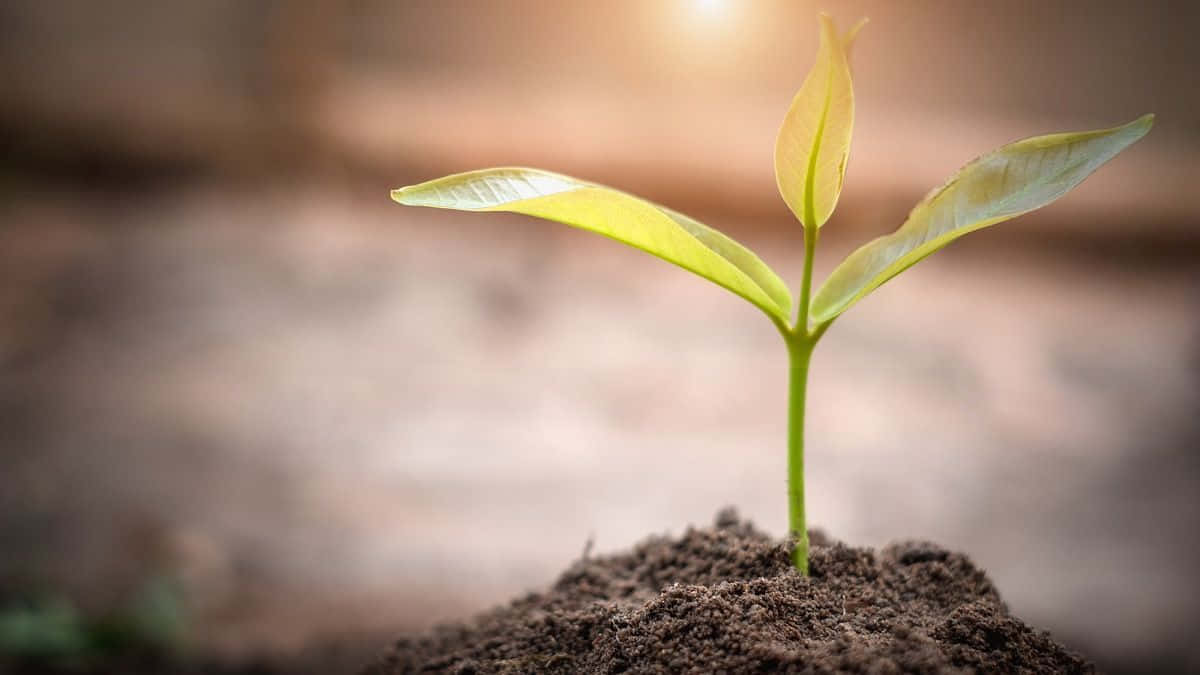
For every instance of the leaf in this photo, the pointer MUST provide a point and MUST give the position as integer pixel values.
(850, 36)
(814, 141)
(1015, 179)
(654, 229)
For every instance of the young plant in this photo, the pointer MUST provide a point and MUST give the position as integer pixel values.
(810, 162)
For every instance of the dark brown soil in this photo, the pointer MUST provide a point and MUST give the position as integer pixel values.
(726, 599)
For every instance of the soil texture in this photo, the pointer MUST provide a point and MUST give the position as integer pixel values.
(726, 599)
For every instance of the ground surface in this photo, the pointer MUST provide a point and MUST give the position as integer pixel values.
(725, 598)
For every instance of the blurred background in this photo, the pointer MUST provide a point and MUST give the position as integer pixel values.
(250, 405)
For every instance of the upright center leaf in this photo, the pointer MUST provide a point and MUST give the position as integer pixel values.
(814, 141)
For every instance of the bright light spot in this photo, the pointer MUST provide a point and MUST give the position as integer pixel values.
(710, 8)
(704, 27)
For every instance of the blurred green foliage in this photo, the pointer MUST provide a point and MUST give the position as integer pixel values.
(50, 630)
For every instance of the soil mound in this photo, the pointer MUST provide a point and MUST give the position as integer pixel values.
(725, 598)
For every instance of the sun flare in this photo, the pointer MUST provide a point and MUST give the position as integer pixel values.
(710, 8)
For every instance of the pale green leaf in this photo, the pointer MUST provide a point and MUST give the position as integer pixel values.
(850, 36)
(1015, 179)
(659, 231)
(814, 141)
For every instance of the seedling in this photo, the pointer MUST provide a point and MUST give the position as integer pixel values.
(810, 162)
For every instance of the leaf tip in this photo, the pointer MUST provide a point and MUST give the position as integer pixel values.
(827, 23)
(851, 34)
(399, 195)
(1138, 128)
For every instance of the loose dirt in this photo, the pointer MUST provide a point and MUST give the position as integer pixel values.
(725, 598)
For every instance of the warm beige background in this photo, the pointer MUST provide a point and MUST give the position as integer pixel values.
(225, 356)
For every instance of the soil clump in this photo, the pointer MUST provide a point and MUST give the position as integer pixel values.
(726, 598)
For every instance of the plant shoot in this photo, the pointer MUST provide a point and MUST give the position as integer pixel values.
(810, 162)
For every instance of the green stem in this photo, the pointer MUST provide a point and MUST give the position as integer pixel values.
(799, 355)
(800, 344)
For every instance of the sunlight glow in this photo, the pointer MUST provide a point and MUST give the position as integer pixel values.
(710, 8)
